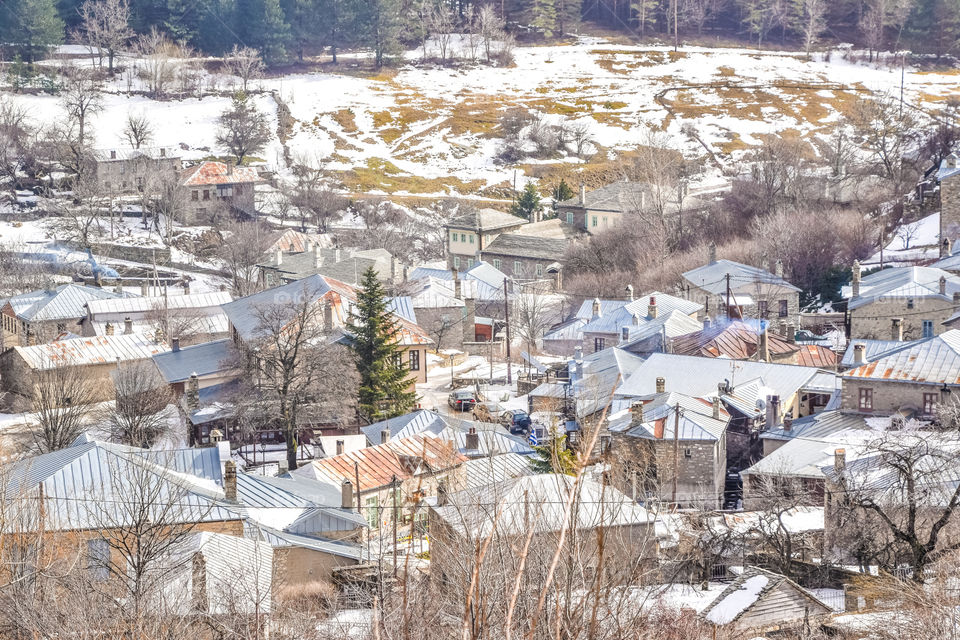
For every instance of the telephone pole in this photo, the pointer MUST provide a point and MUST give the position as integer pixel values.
(676, 450)
(506, 316)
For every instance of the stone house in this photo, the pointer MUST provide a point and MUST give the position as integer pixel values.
(623, 325)
(123, 171)
(606, 207)
(345, 265)
(469, 233)
(527, 257)
(948, 177)
(210, 186)
(43, 315)
(903, 303)
(913, 379)
(394, 475)
(93, 359)
(748, 290)
(673, 448)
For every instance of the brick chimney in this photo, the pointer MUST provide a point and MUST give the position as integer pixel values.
(778, 268)
(230, 480)
(473, 439)
(855, 283)
(384, 436)
(840, 461)
(896, 329)
(346, 494)
(661, 385)
(636, 413)
(652, 307)
(127, 326)
(858, 353)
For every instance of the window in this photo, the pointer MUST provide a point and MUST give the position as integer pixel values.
(930, 402)
(598, 344)
(225, 192)
(687, 453)
(928, 328)
(909, 303)
(456, 262)
(517, 267)
(593, 221)
(98, 559)
(783, 309)
(453, 237)
(866, 399)
(194, 195)
(238, 189)
(625, 333)
(762, 308)
(539, 269)
(605, 221)
(471, 238)
(414, 360)
(497, 263)
(206, 194)
(398, 360)
(463, 237)
(469, 262)
(569, 217)
(372, 505)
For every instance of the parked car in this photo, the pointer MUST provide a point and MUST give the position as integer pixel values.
(462, 400)
(487, 412)
(518, 422)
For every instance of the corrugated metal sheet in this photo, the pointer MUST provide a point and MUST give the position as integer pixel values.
(819, 425)
(134, 305)
(88, 351)
(814, 355)
(737, 340)
(203, 359)
(933, 361)
(495, 469)
(63, 303)
(208, 325)
(660, 419)
(905, 282)
(614, 316)
(214, 173)
(713, 277)
(402, 306)
(277, 538)
(406, 425)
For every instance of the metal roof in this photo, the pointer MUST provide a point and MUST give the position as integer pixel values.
(66, 302)
(626, 196)
(932, 361)
(749, 588)
(660, 419)
(603, 373)
(694, 376)
(213, 173)
(739, 340)
(281, 539)
(950, 263)
(874, 349)
(402, 306)
(421, 421)
(818, 425)
(638, 311)
(945, 170)
(89, 351)
(208, 325)
(712, 277)
(489, 470)
(487, 279)
(151, 153)
(485, 220)
(905, 282)
(134, 305)
(203, 359)
(805, 457)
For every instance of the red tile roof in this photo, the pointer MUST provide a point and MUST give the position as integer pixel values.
(213, 173)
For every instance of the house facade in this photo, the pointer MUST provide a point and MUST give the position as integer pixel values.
(40, 316)
(123, 171)
(210, 186)
(735, 290)
(470, 233)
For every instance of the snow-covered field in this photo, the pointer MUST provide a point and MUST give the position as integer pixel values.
(431, 130)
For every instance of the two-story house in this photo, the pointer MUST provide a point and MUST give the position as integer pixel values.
(120, 171)
(606, 207)
(736, 290)
(42, 315)
(209, 186)
(469, 233)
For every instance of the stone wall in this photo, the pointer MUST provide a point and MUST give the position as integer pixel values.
(888, 395)
(950, 208)
(874, 321)
(714, 305)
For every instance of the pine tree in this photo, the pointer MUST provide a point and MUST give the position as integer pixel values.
(527, 204)
(261, 24)
(554, 457)
(378, 24)
(562, 191)
(31, 27)
(306, 27)
(384, 380)
(542, 15)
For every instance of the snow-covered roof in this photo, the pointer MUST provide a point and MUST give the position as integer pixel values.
(68, 301)
(140, 304)
(751, 587)
(90, 351)
(662, 413)
(905, 282)
(712, 277)
(932, 361)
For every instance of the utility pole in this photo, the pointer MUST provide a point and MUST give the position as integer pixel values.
(506, 316)
(902, 64)
(676, 37)
(394, 485)
(676, 451)
(728, 295)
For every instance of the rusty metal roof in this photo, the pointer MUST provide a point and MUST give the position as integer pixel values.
(736, 340)
(88, 351)
(214, 173)
(377, 466)
(814, 355)
(934, 361)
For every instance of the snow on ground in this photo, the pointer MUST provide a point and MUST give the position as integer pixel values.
(735, 602)
(430, 129)
(912, 243)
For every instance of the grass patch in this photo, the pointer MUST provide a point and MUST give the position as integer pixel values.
(345, 118)
(381, 118)
(614, 104)
(383, 175)
(726, 71)
(734, 144)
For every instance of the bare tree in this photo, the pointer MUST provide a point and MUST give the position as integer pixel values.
(82, 217)
(582, 139)
(812, 24)
(536, 310)
(138, 130)
(245, 63)
(491, 30)
(244, 246)
(313, 196)
(81, 98)
(139, 414)
(160, 61)
(873, 23)
(105, 24)
(242, 128)
(441, 20)
(16, 134)
(63, 399)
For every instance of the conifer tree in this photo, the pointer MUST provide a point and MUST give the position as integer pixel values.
(31, 27)
(384, 380)
(527, 204)
(562, 191)
(542, 15)
(554, 457)
(261, 24)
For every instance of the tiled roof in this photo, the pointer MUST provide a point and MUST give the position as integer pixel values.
(88, 351)
(63, 303)
(519, 245)
(485, 219)
(905, 282)
(712, 277)
(735, 340)
(379, 465)
(933, 361)
(214, 173)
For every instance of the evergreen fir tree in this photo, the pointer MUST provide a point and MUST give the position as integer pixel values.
(562, 191)
(261, 24)
(306, 27)
(31, 27)
(554, 457)
(378, 24)
(384, 379)
(527, 203)
(542, 15)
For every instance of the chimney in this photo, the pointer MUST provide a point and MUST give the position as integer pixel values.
(473, 439)
(951, 161)
(175, 344)
(956, 297)
(630, 292)
(186, 288)
(283, 467)
(858, 353)
(108, 330)
(163, 152)
(661, 385)
(770, 418)
(636, 414)
(791, 332)
(457, 286)
(339, 447)
(945, 248)
(193, 392)
(346, 494)
(778, 268)
(118, 287)
(229, 168)
(763, 353)
(840, 461)
(384, 436)
(721, 388)
(636, 319)
(127, 326)
(596, 308)
(706, 323)
(583, 194)
(328, 315)
(943, 286)
(441, 493)
(336, 255)
(278, 257)
(896, 329)
(788, 423)
(144, 289)
(712, 252)
(652, 307)
(113, 154)
(317, 256)
(855, 273)
(230, 480)
(716, 408)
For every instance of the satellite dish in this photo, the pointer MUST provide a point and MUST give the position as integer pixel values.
(761, 404)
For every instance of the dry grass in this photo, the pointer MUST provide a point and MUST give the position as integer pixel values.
(383, 175)
(734, 144)
(345, 118)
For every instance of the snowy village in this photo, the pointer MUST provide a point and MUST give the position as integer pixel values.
(421, 319)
